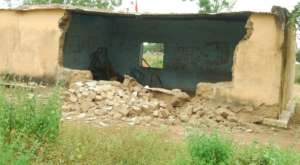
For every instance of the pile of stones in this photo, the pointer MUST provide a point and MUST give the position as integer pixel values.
(110, 102)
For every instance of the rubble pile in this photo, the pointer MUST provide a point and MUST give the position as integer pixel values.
(107, 102)
(111, 100)
(206, 113)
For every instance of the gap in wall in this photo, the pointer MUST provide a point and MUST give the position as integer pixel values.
(194, 50)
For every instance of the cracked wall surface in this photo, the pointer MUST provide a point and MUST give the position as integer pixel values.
(30, 42)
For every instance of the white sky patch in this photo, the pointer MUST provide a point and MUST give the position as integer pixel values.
(12, 3)
(159, 6)
(263, 5)
(179, 6)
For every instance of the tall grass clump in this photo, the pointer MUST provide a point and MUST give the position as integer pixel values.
(209, 149)
(27, 124)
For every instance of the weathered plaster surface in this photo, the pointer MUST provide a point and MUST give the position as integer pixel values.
(30, 42)
(258, 62)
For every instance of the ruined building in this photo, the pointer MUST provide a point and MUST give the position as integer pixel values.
(245, 57)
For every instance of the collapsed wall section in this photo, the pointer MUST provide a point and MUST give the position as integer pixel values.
(30, 42)
(195, 49)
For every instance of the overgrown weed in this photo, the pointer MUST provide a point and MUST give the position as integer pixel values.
(27, 124)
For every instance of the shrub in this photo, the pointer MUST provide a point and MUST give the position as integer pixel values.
(210, 149)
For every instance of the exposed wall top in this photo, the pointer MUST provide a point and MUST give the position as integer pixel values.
(227, 16)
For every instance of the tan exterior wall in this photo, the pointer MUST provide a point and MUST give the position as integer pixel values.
(258, 61)
(30, 42)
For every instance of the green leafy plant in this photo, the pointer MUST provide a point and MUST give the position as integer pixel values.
(210, 149)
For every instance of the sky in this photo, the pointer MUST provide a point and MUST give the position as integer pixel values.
(14, 3)
(179, 6)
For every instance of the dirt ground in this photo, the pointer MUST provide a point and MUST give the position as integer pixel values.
(284, 138)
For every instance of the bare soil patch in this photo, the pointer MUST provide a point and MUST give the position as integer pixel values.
(115, 104)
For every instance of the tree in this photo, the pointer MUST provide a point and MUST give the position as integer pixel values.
(100, 4)
(215, 6)
(294, 20)
(294, 17)
(298, 55)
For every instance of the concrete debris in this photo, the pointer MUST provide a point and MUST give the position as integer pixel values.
(108, 102)
(173, 97)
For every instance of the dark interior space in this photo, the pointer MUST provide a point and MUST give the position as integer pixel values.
(192, 48)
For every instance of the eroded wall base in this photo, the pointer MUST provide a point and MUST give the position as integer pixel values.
(221, 93)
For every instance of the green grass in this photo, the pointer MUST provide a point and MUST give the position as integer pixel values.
(155, 61)
(83, 144)
(27, 124)
(265, 155)
(31, 133)
(214, 149)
